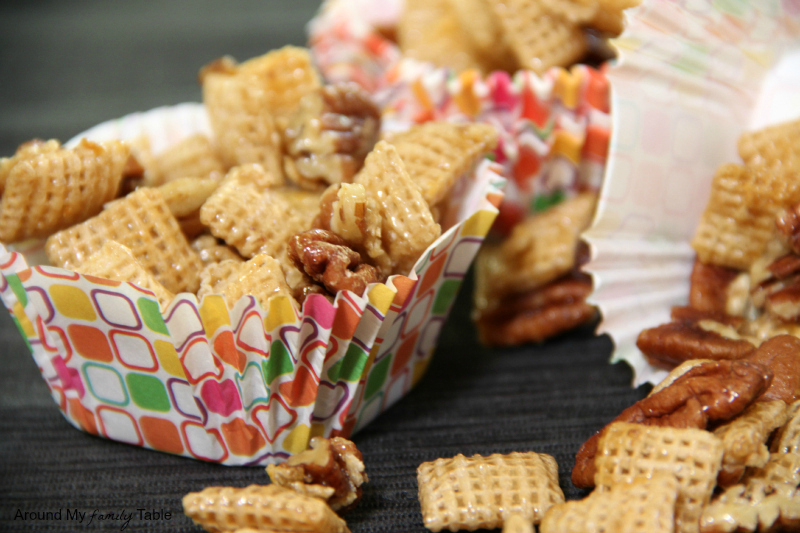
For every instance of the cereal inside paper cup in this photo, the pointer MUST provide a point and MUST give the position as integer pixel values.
(691, 77)
(247, 384)
(554, 126)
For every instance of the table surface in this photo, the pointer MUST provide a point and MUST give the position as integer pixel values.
(66, 66)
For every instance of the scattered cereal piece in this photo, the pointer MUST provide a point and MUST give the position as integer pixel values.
(517, 523)
(644, 505)
(263, 508)
(482, 492)
(331, 469)
(787, 439)
(768, 499)
(744, 438)
(627, 452)
(708, 392)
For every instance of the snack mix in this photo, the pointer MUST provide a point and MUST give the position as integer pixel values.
(307, 494)
(303, 199)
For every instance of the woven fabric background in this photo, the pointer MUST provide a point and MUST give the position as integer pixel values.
(66, 66)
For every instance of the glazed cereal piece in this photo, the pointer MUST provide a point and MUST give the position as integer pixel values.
(480, 24)
(540, 249)
(192, 157)
(331, 469)
(482, 492)
(645, 505)
(142, 222)
(257, 221)
(787, 438)
(184, 196)
(627, 452)
(744, 438)
(539, 38)
(261, 277)
(517, 523)
(738, 224)
(774, 144)
(27, 150)
(608, 18)
(45, 188)
(709, 392)
(407, 225)
(263, 508)
(256, 175)
(429, 30)
(250, 103)
(212, 250)
(767, 499)
(116, 262)
(327, 140)
(436, 154)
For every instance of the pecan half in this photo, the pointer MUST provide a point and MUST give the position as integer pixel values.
(325, 257)
(331, 135)
(710, 392)
(331, 469)
(709, 284)
(538, 314)
(781, 354)
(668, 345)
(788, 224)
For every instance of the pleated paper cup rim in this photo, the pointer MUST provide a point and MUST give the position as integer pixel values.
(691, 77)
(242, 386)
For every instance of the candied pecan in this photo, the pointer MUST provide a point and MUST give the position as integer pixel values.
(668, 345)
(685, 313)
(709, 284)
(784, 303)
(785, 266)
(325, 257)
(788, 224)
(709, 392)
(331, 469)
(781, 354)
(538, 314)
(331, 135)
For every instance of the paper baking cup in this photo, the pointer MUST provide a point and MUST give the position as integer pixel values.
(244, 386)
(554, 128)
(692, 75)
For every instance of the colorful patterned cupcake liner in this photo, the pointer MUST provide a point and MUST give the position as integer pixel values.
(554, 129)
(249, 385)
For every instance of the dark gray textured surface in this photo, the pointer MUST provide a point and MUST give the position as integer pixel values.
(65, 66)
